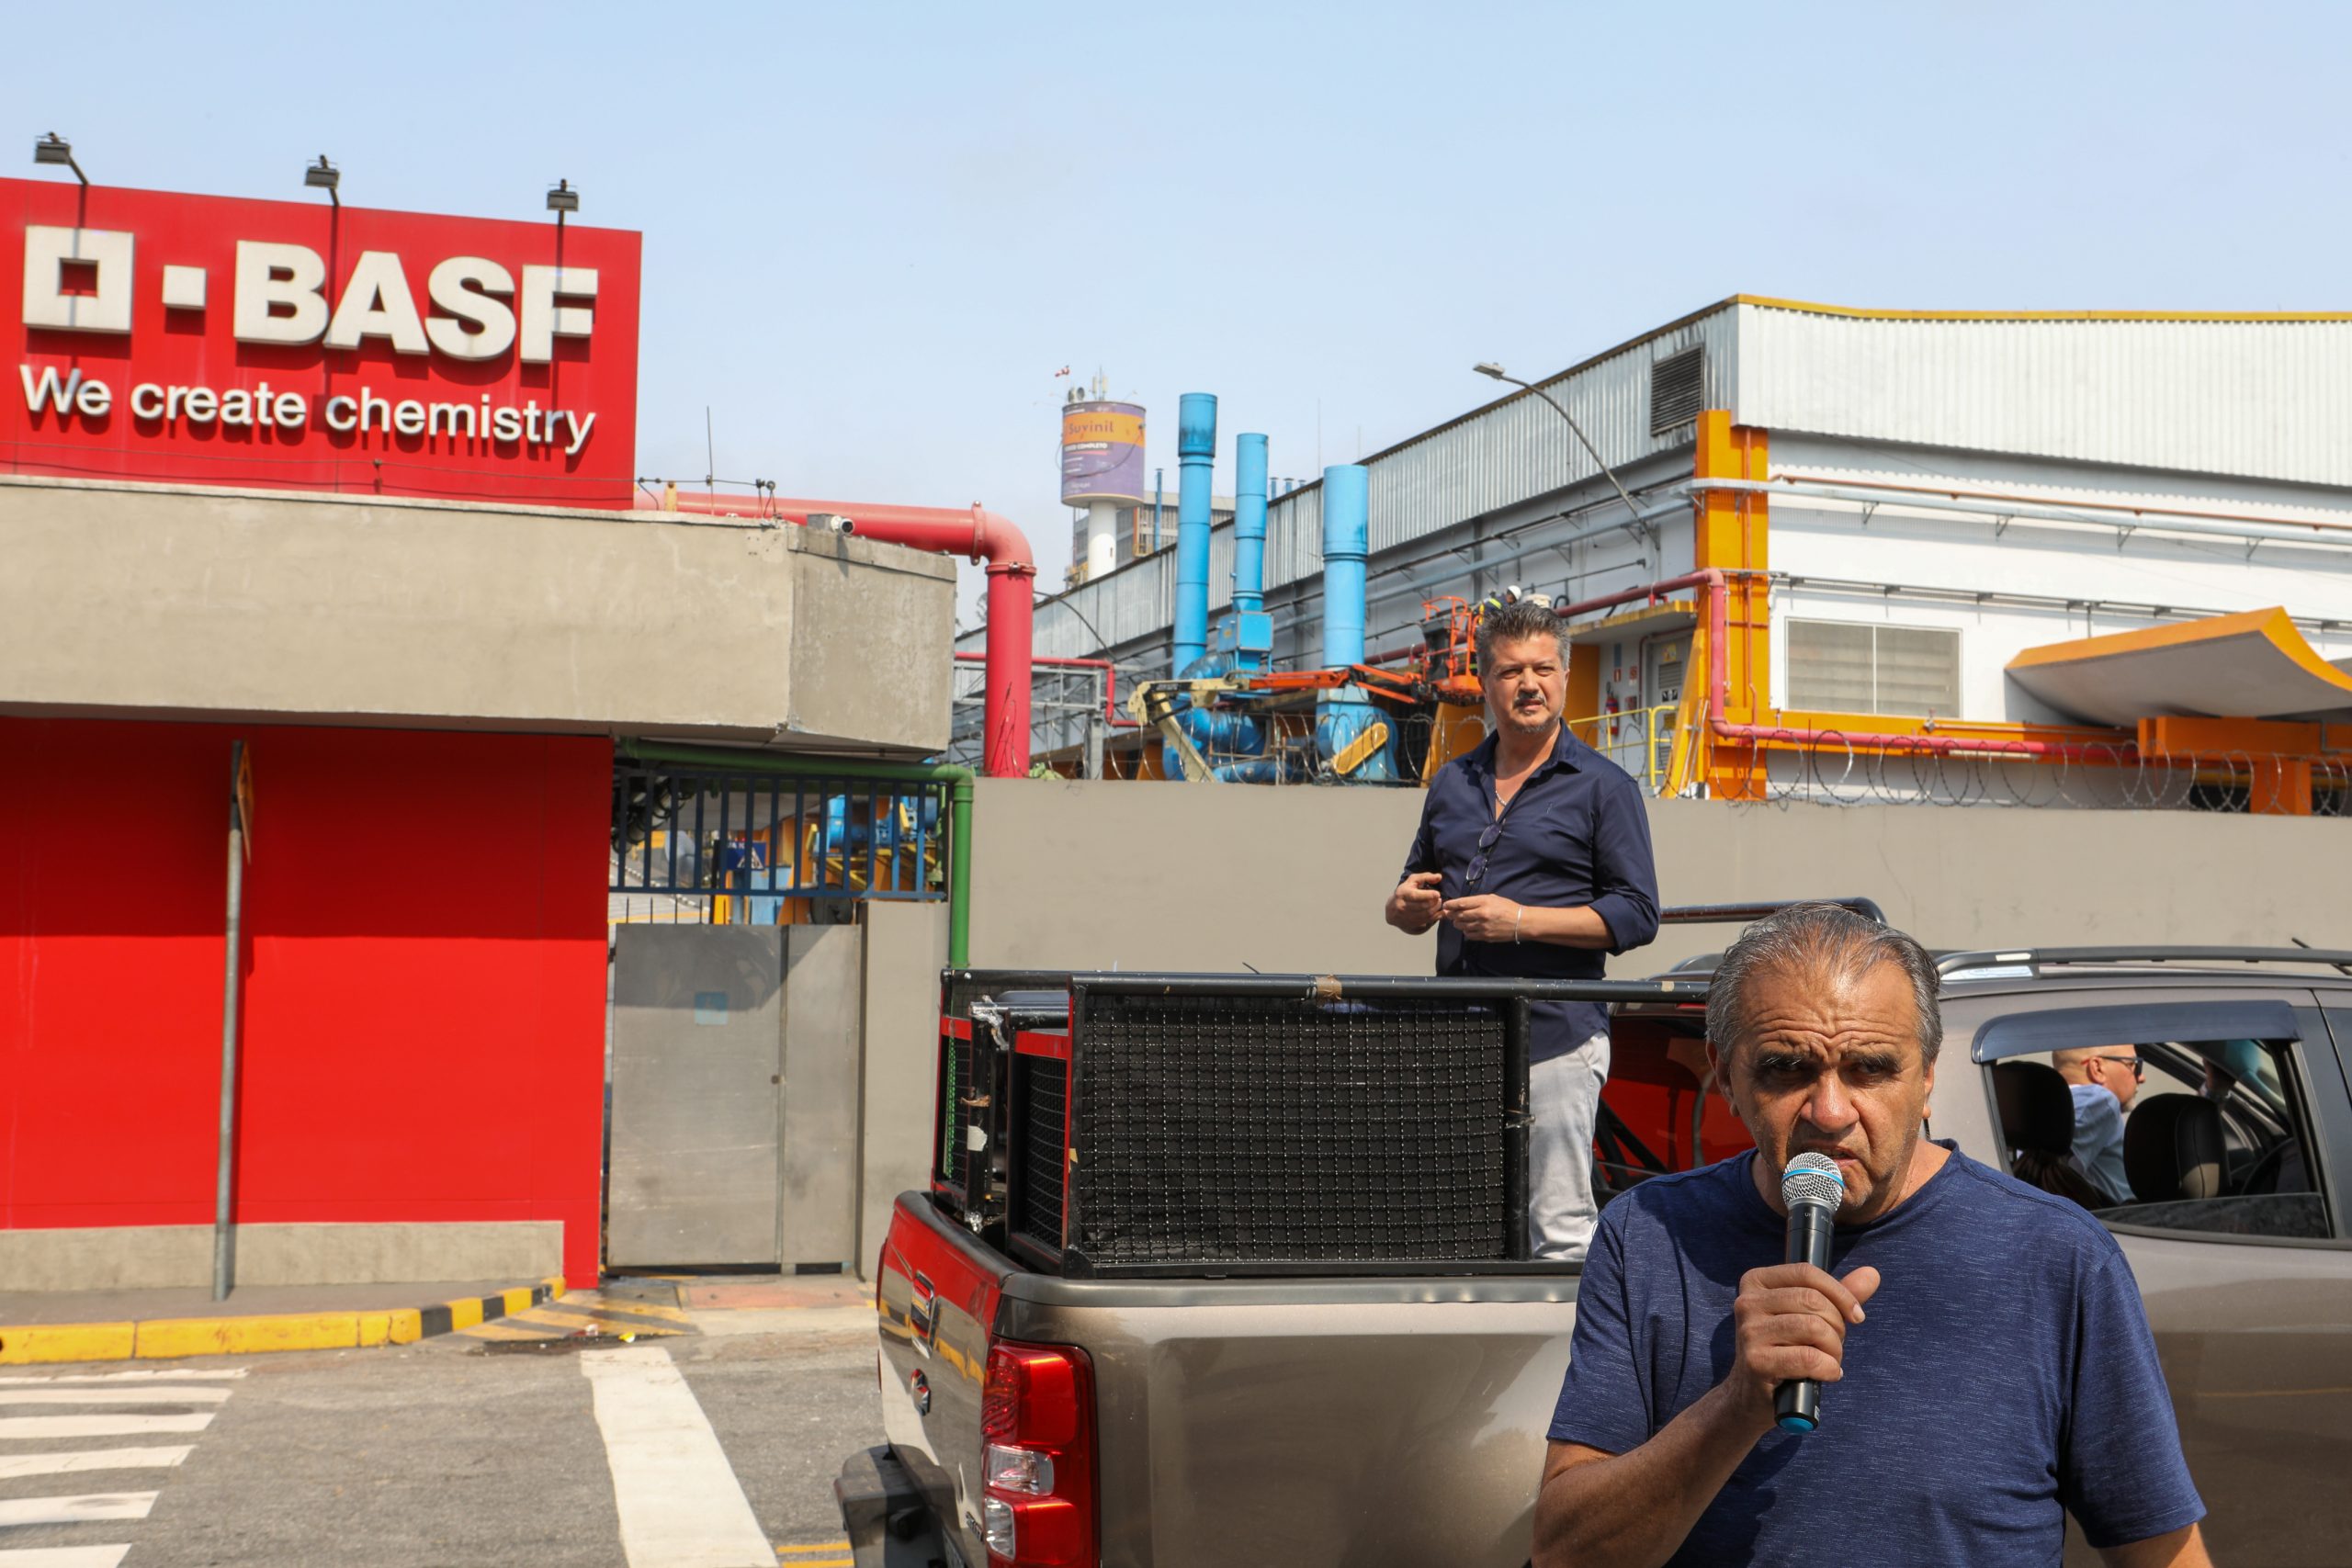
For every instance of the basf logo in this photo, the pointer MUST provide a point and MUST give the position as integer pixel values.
(212, 341)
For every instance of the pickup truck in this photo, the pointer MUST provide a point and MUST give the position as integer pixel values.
(1164, 1388)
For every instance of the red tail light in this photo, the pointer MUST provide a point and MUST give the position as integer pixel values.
(1037, 1418)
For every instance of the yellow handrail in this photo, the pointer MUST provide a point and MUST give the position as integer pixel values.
(1643, 741)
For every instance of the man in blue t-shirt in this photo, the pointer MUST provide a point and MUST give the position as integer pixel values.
(1985, 1364)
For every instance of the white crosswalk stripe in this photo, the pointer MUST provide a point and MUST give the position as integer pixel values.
(156, 1394)
(14, 1465)
(679, 1502)
(75, 1510)
(100, 1425)
(64, 1557)
(84, 1396)
(124, 1377)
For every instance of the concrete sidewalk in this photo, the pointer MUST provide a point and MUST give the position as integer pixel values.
(790, 1303)
(112, 1326)
(699, 1306)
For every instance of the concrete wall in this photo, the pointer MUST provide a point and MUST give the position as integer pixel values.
(137, 599)
(906, 946)
(157, 1256)
(1198, 877)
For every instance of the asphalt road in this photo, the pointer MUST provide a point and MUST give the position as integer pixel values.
(444, 1452)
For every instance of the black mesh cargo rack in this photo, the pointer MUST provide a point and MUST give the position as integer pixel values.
(981, 1013)
(1189, 1124)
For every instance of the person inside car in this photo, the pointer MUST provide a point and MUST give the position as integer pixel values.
(2002, 1377)
(2104, 1078)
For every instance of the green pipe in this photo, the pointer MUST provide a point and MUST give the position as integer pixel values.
(959, 808)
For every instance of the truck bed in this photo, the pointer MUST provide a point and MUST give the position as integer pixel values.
(1216, 1404)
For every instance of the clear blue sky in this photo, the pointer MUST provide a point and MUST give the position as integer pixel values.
(872, 232)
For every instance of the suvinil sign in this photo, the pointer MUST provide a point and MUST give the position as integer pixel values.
(216, 341)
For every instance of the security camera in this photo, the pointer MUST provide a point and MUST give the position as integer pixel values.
(832, 522)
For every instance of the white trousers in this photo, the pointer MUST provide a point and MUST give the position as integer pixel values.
(1563, 1101)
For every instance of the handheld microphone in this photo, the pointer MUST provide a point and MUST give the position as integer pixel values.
(1812, 1189)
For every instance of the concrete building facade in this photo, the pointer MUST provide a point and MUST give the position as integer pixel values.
(428, 694)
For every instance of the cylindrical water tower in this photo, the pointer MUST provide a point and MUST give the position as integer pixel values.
(1102, 471)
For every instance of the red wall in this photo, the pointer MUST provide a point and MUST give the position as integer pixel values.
(424, 977)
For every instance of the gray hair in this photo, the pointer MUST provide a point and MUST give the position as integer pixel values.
(1516, 621)
(1826, 937)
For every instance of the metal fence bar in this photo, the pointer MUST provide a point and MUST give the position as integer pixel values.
(766, 858)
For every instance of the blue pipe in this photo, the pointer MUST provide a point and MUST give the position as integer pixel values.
(1250, 632)
(1345, 713)
(1249, 522)
(1262, 770)
(1196, 452)
(1221, 729)
(1347, 526)
(1213, 729)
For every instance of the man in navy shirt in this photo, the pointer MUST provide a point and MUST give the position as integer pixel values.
(2002, 1376)
(1534, 856)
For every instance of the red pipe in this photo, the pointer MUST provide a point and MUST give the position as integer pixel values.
(1715, 580)
(1110, 680)
(980, 536)
(957, 531)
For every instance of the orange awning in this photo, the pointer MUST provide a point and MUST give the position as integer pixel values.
(2250, 665)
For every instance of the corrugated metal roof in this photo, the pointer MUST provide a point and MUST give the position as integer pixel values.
(2257, 396)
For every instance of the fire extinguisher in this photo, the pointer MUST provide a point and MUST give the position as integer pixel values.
(1611, 709)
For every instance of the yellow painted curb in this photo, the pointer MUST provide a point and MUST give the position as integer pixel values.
(167, 1338)
(66, 1342)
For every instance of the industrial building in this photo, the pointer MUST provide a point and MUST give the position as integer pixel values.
(2035, 557)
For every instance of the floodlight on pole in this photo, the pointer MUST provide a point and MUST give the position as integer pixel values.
(562, 200)
(1488, 368)
(55, 149)
(324, 177)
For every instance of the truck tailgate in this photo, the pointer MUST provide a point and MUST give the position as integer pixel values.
(1309, 1422)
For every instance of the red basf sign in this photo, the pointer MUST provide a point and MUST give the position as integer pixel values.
(207, 340)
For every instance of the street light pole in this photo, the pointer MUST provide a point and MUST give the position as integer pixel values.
(1496, 371)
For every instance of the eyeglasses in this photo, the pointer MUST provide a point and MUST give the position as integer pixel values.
(2139, 1068)
(1486, 841)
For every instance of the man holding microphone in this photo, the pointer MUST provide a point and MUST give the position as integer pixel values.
(1980, 1361)
(1533, 855)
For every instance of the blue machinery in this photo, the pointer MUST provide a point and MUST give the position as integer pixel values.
(1217, 714)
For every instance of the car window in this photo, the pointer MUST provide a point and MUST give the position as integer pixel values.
(2206, 1132)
